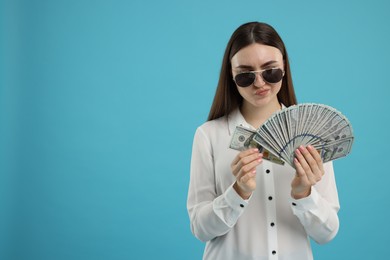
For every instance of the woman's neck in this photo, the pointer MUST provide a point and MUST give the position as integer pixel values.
(256, 116)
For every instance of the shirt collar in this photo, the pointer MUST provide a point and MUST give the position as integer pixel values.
(235, 118)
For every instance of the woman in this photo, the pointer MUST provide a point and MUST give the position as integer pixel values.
(242, 206)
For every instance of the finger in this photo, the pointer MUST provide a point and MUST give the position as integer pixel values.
(314, 153)
(309, 154)
(302, 160)
(317, 157)
(249, 167)
(314, 167)
(251, 158)
(307, 171)
(248, 176)
(299, 169)
(244, 154)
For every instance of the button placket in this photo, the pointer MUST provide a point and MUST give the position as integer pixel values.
(269, 191)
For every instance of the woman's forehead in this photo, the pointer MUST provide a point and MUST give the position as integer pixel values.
(257, 55)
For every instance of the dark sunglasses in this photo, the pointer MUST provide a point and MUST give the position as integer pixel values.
(245, 79)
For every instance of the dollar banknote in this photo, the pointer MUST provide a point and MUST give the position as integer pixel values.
(242, 139)
(321, 126)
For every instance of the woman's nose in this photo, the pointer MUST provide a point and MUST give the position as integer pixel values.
(259, 81)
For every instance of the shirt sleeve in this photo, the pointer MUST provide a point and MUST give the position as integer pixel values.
(318, 212)
(211, 215)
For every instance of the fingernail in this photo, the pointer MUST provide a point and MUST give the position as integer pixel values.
(298, 152)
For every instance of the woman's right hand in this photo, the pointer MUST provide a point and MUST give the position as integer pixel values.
(244, 169)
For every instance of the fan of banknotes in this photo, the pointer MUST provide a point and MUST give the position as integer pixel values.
(321, 126)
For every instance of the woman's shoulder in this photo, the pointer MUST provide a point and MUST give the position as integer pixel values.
(214, 125)
(213, 132)
(224, 124)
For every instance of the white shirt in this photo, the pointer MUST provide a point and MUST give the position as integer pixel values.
(271, 224)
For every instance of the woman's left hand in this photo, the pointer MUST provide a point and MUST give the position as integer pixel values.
(309, 171)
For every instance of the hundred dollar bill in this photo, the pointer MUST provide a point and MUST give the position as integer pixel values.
(243, 139)
(335, 150)
(321, 126)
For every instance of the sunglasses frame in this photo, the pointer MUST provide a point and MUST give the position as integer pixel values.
(260, 72)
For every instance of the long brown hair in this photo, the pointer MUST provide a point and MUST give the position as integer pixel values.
(227, 98)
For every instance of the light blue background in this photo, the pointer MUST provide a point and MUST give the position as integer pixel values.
(99, 101)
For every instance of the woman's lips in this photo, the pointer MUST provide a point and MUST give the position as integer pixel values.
(262, 92)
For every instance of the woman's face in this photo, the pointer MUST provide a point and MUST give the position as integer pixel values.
(257, 57)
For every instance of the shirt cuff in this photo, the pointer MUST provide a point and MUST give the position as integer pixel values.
(229, 206)
(234, 200)
(306, 204)
(311, 205)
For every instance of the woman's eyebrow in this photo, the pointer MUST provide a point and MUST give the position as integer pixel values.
(244, 67)
(267, 64)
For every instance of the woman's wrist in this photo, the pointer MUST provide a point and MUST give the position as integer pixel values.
(301, 195)
(243, 194)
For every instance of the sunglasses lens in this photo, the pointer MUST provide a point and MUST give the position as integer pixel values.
(245, 79)
(272, 75)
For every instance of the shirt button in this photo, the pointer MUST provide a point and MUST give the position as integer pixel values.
(272, 224)
(270, 198)
(267, 171)
(294, 204)
(241, 205)
(274, 252)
